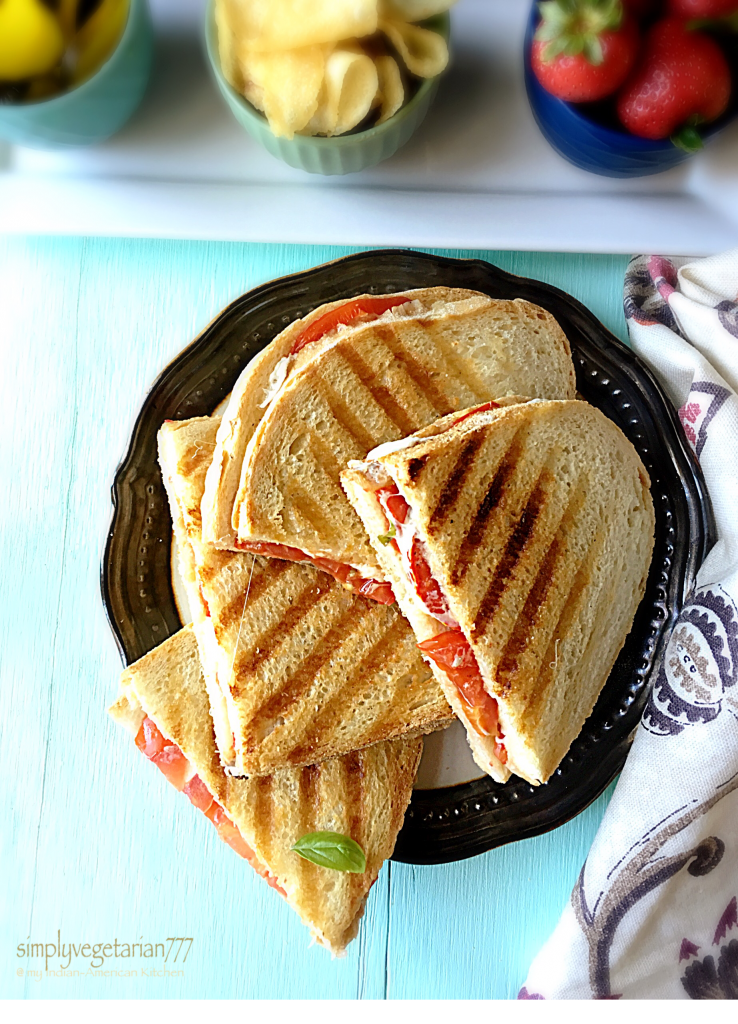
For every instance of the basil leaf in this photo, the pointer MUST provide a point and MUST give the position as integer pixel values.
(332, 850)
(385, 538)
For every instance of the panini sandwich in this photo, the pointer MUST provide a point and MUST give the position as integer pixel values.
(518, 541)
(262, 379)
(375, 383)
(163, 702)
(297, 668)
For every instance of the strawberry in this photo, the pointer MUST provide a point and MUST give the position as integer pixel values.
(702, 8)
(682, 80)
(583, 49)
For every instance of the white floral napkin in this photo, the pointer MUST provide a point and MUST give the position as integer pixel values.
(654, 912)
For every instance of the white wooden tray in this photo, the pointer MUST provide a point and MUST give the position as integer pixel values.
(478, 174)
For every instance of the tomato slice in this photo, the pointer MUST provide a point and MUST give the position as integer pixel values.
(345, 314)
(376, 590)
(230, 834)
(452, 653)
(198, 793)
(394, 503)
(470, 412)
(349, 577)
(429, 590)
(149, 740)
(172, 762)
(169, 758)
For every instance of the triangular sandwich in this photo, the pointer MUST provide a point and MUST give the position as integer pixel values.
(518, 540)
(164, 704)
(298, 668)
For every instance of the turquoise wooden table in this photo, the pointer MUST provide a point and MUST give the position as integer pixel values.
(95, 846)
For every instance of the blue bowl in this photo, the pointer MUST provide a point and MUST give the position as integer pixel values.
(99, 106)
(594, 146)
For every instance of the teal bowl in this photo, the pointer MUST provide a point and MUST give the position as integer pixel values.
(99, 106)
(342, 154)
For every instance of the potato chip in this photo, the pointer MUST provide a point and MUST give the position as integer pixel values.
(425, 53)
(287, 83)
(269, 25)
(349, 89)
(413, 10)
(391, 89)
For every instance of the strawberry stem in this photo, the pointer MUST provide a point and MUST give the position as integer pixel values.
(688, 139)
(571, 27)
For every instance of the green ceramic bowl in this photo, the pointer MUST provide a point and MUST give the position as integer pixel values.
(342, 154)
(96, 108)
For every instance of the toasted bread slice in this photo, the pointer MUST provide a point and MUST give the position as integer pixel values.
(261, 380)
(378, 384)
(299, 669)
(537, 525)
(363, 795)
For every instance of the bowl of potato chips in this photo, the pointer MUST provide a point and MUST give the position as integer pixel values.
(329, 86)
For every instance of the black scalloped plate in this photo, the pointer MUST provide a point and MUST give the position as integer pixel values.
(458, 821)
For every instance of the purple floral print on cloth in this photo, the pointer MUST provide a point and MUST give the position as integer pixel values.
(704, 401)
(728, 315)
(525, 994)
(687, 950)
(728, 920)
(700, 664)
(646, 302)
(706, 979)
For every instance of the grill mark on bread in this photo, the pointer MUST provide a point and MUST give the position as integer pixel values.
(345, 418)
(193, 517)
(417, 373)
(193, 459)
(415, 467)
(382, 395)
(309, 509)
(266, 644)
(263, 813)
(308, 805)
(534, 607)
(305, 672)
(330, 717)
(451, 489)
(505, 471)
(437, 331)
(309, 798)
(355, 772)
(571, 609)
(260, 582)
(213, 563)
(520, 537)
(324, 455)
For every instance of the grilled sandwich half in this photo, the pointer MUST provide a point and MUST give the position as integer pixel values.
(378, 383)
(163, 702)
(518, 540)
(298, 669)
(266, 373)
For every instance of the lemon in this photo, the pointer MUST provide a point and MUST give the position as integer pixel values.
(31, 41)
